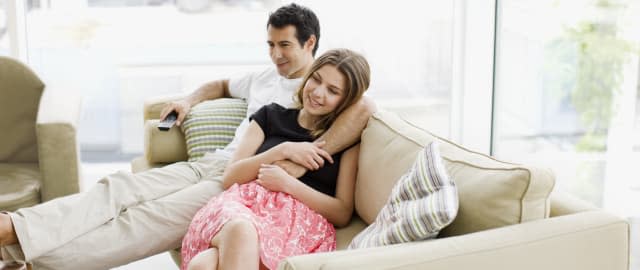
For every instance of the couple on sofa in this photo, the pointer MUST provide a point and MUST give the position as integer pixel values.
(288, 175)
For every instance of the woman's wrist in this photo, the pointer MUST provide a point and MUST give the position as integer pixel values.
(293, 186)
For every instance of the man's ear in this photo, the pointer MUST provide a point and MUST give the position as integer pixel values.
(310, 43)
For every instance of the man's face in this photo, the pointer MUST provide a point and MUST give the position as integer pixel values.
(290, 57)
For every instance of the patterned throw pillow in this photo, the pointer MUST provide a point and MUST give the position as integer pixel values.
(211, 125)
(422, 202)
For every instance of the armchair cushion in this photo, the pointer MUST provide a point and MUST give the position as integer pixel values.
(422, 202)
(211, 125)
(20, 184)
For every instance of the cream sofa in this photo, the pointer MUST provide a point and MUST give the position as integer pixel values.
(507, 217)
(39, 158)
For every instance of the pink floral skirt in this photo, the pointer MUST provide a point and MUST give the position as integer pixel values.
(286, 227)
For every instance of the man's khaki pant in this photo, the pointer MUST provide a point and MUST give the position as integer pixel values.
(123, 218)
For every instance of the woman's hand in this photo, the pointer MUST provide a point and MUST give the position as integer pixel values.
(308, 154)
(275, 178)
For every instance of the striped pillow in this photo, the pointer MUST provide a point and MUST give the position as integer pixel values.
(422, 203)
(211, 125)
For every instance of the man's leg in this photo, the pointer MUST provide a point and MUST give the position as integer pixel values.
(139, 232)
(48, 226)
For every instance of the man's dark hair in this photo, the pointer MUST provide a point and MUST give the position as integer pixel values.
(302, 18)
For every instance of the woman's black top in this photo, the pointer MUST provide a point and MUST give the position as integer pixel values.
(280, 125)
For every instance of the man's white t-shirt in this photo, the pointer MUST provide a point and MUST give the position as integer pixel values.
(259, 89)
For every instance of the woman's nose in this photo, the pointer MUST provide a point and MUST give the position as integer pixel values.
(317, 92)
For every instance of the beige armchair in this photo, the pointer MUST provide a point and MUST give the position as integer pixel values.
(39, 158)
(508, 217)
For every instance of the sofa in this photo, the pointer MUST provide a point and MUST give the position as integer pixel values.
(39, 154)
(509, 215)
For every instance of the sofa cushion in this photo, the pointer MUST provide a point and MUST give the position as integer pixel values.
(20, 184)
(492, 193)
(345, 234)
(211, 125)
(422, 202)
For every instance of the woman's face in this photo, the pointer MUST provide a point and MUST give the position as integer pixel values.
(323, 91)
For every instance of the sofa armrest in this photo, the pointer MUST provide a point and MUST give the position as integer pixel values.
(58, 150)
(163, 146)
(563, 203)
(587, 240)
(153, 106)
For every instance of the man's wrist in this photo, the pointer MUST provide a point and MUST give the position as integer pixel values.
(282, 151)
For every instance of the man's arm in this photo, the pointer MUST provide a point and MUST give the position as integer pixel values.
(347, 128)
(211, 90)
(344, 132)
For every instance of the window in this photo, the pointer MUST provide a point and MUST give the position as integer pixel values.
(4, 36)
(566, 93)
(409, 47)
(116, 54)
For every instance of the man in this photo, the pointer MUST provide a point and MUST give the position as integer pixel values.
(126, 217)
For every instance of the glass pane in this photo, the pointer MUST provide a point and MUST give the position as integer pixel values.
(567, 95)
(4, 36)
(409, 47)
(119, 53)
(116, 54)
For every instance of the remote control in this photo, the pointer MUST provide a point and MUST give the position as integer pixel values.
(168, 122)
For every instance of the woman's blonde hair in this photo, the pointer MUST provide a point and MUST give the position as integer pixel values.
(356, 70)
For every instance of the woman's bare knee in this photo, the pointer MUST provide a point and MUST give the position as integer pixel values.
(239, 229)
(205, 260)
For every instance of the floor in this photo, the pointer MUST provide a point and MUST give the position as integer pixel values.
(92, 172)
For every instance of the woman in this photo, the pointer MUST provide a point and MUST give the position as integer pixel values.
(266, 215)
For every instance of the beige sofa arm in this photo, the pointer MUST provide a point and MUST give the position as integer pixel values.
(163, 146)
(565, 204)
(153, 106)
(588, 241)
(58, 151)
(160, 147)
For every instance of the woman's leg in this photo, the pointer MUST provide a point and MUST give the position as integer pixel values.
(7, 233)
(206, 260)
(237, 244)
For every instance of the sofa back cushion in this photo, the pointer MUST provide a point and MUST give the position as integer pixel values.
(492, 193)
(20, 91)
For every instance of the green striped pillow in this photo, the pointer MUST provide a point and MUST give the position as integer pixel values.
(422, 203)
(211, 125)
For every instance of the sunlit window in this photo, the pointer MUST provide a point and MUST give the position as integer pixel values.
(116, 54)
(567, 94)
(4, 37)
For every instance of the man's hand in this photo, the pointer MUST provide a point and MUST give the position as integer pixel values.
(275, 178)
(308, 154)
(182, 107)
(291, 168)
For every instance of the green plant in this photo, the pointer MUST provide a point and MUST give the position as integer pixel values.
(587, 63)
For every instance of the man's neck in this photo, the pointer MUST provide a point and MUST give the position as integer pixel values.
(301, 72)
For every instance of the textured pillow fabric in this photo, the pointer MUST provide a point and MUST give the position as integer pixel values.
(211, 125)
(422, 202)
